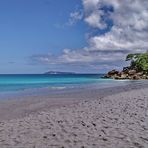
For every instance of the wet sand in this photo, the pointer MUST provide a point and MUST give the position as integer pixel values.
(106, 118)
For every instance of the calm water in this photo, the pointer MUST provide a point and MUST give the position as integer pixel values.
(22, 85)
(24, 82)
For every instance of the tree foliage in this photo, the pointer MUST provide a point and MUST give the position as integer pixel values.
(139, 61)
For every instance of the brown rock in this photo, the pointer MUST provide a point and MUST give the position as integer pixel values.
(140, 73)
(113, 72)
(124, 76)
(135, 77)
(132, 72)
(126, 73)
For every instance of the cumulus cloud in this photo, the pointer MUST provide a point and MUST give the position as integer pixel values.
(128, 21)
(130, 27)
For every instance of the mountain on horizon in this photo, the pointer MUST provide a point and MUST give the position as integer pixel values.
(59, 72)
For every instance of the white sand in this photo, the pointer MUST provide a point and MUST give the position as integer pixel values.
(115, 121)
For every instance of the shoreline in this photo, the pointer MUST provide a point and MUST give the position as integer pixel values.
(21, 106)
(105, 118)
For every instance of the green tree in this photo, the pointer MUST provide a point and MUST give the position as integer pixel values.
(139, 61)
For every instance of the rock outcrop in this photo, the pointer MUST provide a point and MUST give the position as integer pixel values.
(126, 73)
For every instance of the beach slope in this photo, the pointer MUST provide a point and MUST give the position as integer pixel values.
(114, 121)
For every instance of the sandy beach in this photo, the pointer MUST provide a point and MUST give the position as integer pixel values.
(106, 118)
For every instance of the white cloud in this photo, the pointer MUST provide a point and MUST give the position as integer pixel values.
(95, 20)
(130, 25)
(90, 4)
(75, 17)
(83, 56)
(129, 32)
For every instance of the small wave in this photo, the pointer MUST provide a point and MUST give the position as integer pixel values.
(58, 88)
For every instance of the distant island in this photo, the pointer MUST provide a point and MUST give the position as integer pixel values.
(137, 70)
(58, 72)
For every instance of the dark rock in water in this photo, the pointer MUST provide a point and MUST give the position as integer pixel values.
(106, 77)
(121, 77)
(112, 74)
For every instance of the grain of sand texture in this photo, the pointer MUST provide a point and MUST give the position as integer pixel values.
(114, 121)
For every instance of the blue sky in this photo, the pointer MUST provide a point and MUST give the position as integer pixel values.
(69, 35)
(30, 27)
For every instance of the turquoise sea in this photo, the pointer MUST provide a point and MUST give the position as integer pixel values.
(22, 85)
(16, 82)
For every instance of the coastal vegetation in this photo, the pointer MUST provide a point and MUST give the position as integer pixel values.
(139, 62)
(138, 68)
